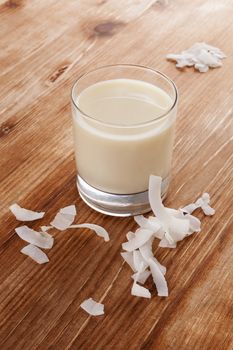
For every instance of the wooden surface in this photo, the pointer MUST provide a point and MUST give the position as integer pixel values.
(45, 46)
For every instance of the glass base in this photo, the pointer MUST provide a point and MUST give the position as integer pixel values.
(116, 204)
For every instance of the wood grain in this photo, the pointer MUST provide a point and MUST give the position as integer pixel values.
(45, 45)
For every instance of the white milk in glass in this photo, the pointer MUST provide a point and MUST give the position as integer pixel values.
(123, 132)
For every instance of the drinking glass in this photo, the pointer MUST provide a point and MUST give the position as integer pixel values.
(123, 126)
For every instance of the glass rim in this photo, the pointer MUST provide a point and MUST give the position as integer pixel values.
(125, 65)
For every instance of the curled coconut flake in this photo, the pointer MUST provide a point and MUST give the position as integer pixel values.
(128, 257)
(147, 254)
(40, 239)
(23, 214)
(141, 237)
(99, 230)
(92, 307)
(175, 228)
(159, 279)
(35, 254)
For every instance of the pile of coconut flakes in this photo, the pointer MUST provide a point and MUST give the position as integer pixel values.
(168, 225)
(201, 55)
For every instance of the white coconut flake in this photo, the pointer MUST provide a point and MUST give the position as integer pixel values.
(189, 208)
(35, 254)
(162, 268)
(139, 263)
(141, 237)
(203, 203)
(159, 279)
(151, 223)
(99, 230)
(92, 307)
(141, 277)
(178, 229)
(62, 221)
(146, 250)
(140, 291)
(164, 243)
(147, 254)
(128, 257)
(175, 228)
(194, 223)
(40, 239)
(130, 235)
(70, 210)
(23, 214)
(200, 55)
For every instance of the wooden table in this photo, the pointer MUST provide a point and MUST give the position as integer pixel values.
(45, 46)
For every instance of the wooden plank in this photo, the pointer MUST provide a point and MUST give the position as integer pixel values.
(49, 44)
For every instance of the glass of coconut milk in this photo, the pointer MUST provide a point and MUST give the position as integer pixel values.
(123, 126)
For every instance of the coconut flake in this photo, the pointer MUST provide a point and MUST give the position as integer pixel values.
(40, 239)
(141, 277)
(189, 208)
(158, 278)
(140, 291)
(194, 223)
(62, 221)
(147, 254)
(35, 254)
(92, 307)
(146, 250)
(175, 228)
(151, 223)
(141, 237)
(99, 230)
(130, 235)
(203, 203)
(128, 257)
(70, 210)
(23, 214)
(164, 243)
(139, 263)
(200, 55)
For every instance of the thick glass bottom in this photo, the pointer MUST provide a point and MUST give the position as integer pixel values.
(116, 204)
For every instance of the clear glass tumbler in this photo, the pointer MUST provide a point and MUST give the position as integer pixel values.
(123, 126)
